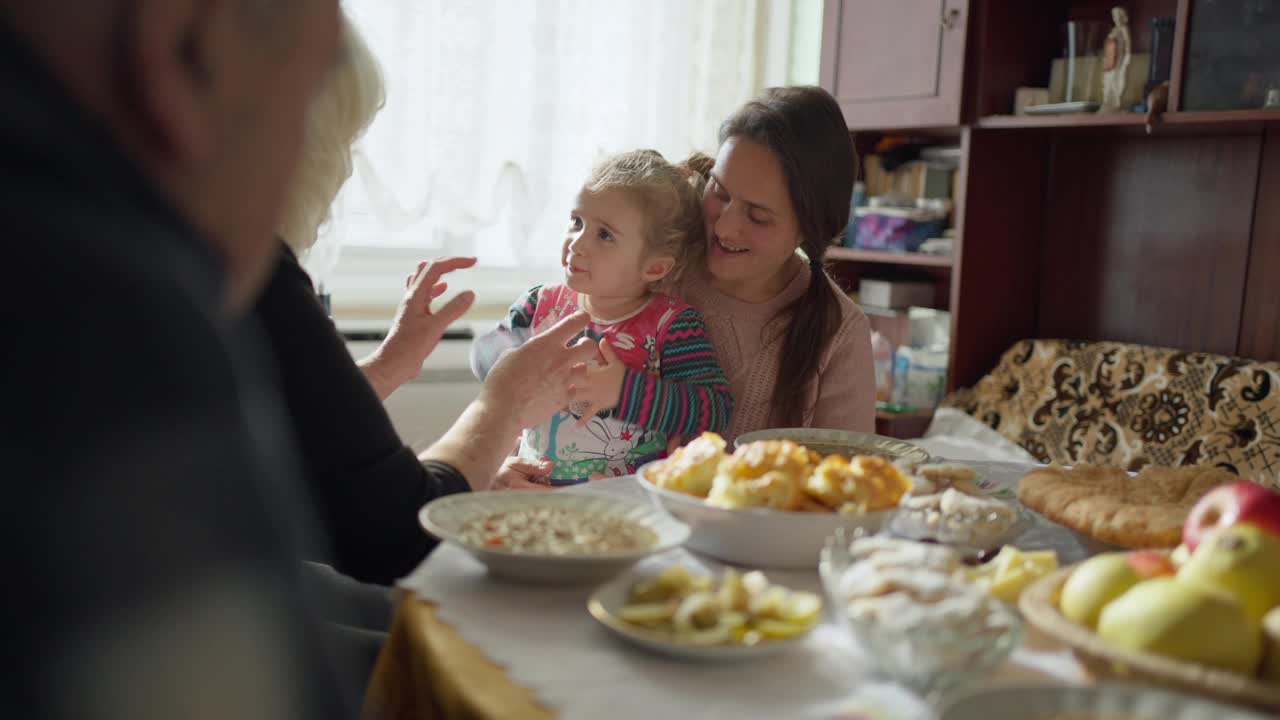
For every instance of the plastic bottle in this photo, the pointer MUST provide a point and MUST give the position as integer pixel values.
(882, 358)
(901, 368)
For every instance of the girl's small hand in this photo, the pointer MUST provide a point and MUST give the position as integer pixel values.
(602, 387)
(517, 473)
(673, 442)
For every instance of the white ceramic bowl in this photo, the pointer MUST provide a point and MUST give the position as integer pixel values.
(1043, 702)
(444, 517)
(606, 602)
(826, 441)
(757, 537)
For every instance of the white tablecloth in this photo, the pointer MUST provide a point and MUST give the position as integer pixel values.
(551, 645)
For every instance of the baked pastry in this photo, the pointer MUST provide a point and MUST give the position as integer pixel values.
(691, 468)
(774, 490)
(928, 478)
(768, 473)
(1105, 503)
(864, 484)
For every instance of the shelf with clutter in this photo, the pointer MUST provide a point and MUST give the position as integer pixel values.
(896, 261)
(1073, 225)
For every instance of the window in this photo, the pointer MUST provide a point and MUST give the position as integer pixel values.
(496, 110)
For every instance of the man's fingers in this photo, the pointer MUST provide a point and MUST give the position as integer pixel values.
(606, 351)
(577, 376)
(456, 307)
(562, 332)
(583, 352)
(438, 289)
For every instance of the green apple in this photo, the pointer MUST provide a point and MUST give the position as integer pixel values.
(1271, 656)
(1183, 620)
(1240, 559)
(1101, 579)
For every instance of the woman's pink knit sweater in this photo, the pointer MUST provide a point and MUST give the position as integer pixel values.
(748, 338)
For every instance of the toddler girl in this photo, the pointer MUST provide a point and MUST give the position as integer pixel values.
(636, 223)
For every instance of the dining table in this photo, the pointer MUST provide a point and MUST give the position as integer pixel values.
(467, 645)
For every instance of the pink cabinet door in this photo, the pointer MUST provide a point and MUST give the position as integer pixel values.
(895, 63)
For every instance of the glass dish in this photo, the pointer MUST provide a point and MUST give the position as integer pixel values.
(929, 657)
(970, 537)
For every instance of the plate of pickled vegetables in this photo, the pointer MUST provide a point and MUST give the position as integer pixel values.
(690, 614)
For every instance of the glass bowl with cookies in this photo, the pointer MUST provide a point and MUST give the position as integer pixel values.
(914, 613)
(773, 502)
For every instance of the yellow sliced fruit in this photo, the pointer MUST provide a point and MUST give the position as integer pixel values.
(696, 612)
(715, 635)
(646, 613)
(675, 580)
(732, 593)
(780, 629)
(1005, 560)
(1009, 586)
(755, 582)
(1041, 562)
(768, 604)
(801, 607)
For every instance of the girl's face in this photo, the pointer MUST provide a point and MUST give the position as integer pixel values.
(752, 230)
(604, 252)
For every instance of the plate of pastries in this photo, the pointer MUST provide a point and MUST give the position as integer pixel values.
(773, 502)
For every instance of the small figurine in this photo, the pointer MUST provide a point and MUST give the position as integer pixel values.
(1116, 54)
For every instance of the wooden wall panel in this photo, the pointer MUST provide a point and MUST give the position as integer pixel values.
(1260, 326)
(1147, 239)
(999, 221)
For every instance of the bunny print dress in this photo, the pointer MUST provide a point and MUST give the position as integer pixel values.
(673, 385)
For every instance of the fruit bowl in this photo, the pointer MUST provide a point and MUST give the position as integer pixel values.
(1039, 606)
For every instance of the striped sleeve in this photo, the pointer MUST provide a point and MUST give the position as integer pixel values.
(692, 394)
(511, 332)
(520, 315)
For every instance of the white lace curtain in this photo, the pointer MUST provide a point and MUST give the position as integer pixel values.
(496, 110)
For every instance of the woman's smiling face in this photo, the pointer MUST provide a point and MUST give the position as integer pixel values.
(752, 230)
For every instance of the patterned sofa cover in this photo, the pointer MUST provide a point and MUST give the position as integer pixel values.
(1111, 403)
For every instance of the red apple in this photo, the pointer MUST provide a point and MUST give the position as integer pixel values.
(1237, 502)
(1151, 563)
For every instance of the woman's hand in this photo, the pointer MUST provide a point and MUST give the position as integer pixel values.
(517, 473)
(602, 386)
(417, 329)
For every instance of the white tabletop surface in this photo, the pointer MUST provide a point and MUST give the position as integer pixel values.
(548, 643)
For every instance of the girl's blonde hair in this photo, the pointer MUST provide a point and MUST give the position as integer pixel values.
(337, 117)
(670, 200)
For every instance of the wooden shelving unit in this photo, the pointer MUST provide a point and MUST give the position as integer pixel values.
(1090, 120)
(1208, 121)
(889, 258)
(1073, 226)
